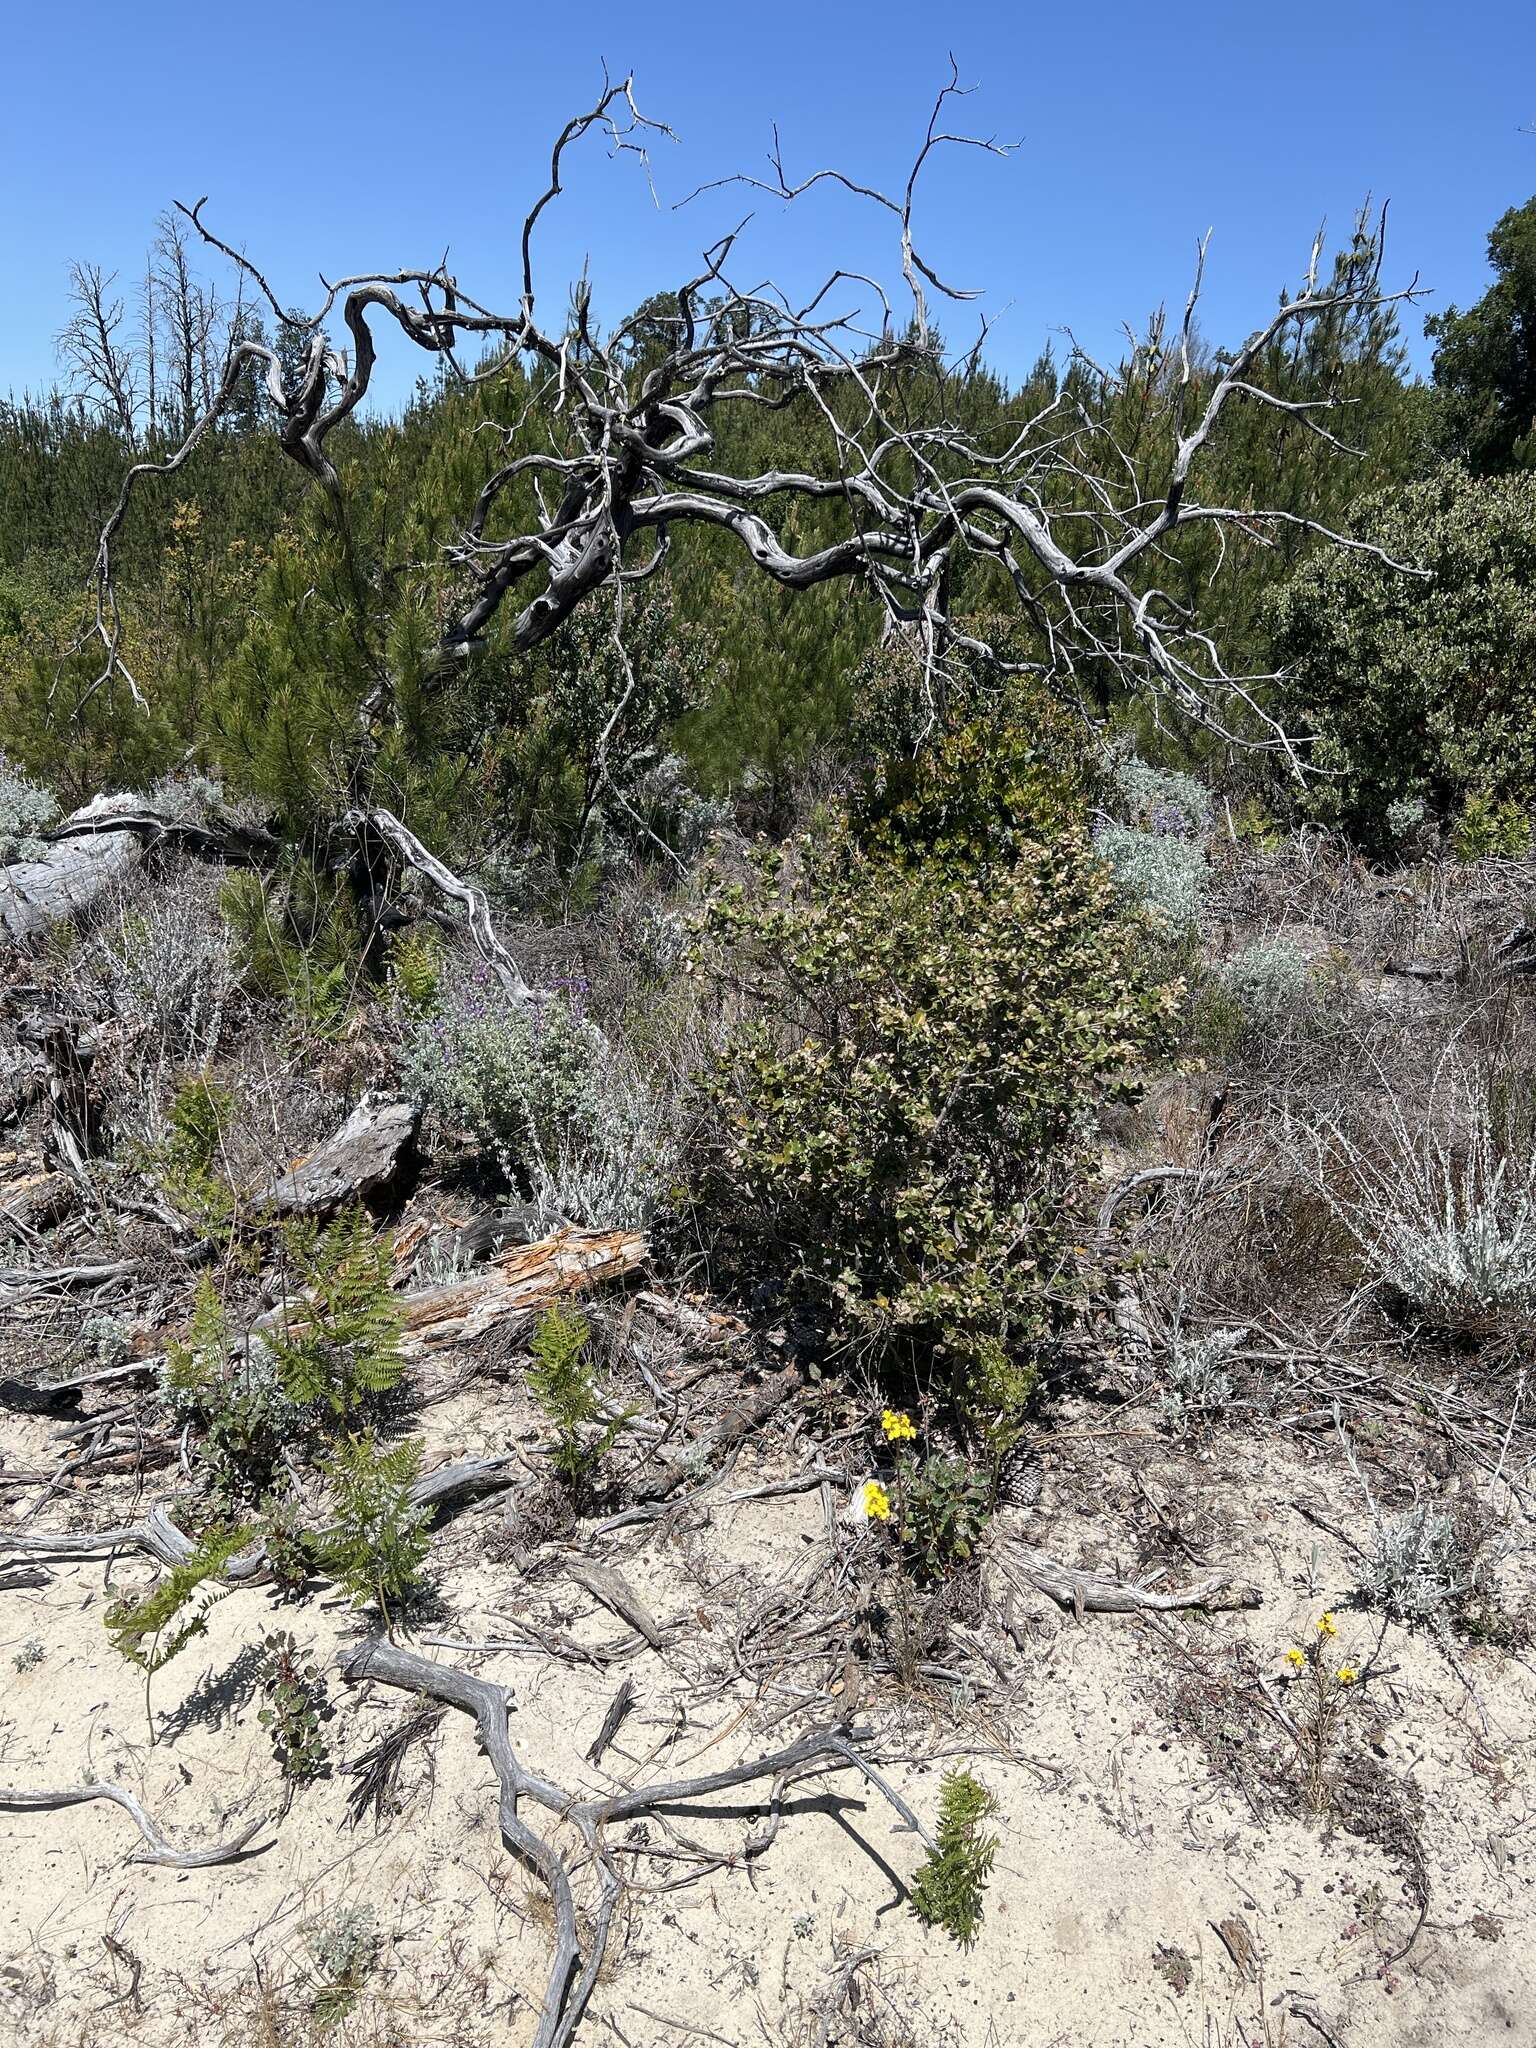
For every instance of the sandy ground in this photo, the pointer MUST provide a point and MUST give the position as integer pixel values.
(1123, 1844)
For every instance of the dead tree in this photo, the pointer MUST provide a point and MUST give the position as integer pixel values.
(1079, 527)
(102, 370)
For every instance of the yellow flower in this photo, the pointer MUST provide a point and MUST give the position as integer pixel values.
(877, 1502)
(1346, 1674)
(1295, 1659)
(1327, 1626)
(898, 1426)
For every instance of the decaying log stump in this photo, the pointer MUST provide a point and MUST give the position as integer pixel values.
(520, 1282)
(357, 1164)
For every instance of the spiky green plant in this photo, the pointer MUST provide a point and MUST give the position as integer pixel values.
(342, 1347)
(948, 1889)
(564, 1386)
(378, 1540)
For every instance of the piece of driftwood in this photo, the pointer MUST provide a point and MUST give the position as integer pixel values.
(611, 1590)
(618, 1707)
(359, 1163)
(564, 1999)
(738, 1423)
(36, 1202)
(1088, 1593)
(158, 1537)
(160, 1850)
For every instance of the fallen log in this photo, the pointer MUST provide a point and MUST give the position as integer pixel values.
(362, 1160)
(75, 871)
(519, 1282)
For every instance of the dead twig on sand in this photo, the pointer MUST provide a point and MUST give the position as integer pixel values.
(160, 1850)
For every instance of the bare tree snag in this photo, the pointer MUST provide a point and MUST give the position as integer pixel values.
(408, 849)
(1079, 524)
(360, 1163)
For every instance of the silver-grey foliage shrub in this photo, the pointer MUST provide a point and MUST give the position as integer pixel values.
(1421, 1565)
(1155, 845)
(163, 958)
(1447, 1221)
(26, 810)
(1271, 982)
(1197, 1384)
(537, 1088)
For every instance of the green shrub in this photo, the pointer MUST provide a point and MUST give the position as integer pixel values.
(948, 1889)
(944, 1506)
(1418, 687)
(187, 1164)
(926, 1016)
(237, 1403)
(1491, 831)
(297, 942)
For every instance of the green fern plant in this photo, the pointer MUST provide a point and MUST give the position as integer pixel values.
(416, 972)
(565, 1388)
(186, 1163)
(151, 1630)
(346, 1348)
(948, 1889)
(377, 1541)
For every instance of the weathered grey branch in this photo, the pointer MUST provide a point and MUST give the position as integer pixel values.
(564, 2003)
(1067, 513)
(160, 1850)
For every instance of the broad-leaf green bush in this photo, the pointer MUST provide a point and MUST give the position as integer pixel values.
(929, 1002)
(1418, 687)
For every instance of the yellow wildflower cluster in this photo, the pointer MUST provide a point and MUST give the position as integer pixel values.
(1327, 1626)
(1346, 1674)
(877, 1502)
(1295, 1658)
(898, 1426)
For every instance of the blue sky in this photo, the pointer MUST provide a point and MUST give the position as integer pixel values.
(357, 136)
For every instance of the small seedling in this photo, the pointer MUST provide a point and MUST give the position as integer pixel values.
(564, 1385)
(29, 1656)
(378, 1539)
(345, 1950)
(297, 1704)
(149, 1632)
